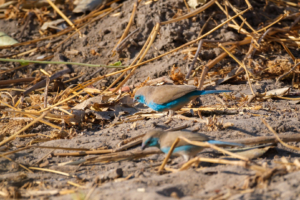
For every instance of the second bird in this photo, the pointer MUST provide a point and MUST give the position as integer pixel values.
(164, 140)
(170, 97)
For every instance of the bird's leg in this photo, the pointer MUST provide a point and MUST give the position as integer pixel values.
(171, 114)
(186, 158)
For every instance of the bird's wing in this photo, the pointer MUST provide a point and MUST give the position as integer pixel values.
(166, 93)
(168, 139)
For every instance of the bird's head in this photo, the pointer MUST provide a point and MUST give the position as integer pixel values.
(140, 95)
(140, 98)
(151, 139)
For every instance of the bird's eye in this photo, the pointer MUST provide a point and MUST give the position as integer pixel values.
(138, 98)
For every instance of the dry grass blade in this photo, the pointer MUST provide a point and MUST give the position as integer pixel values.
(212, 160)
(63, 16)
(168, 155)
(191, 14)
(52, 171)
(160, 56)
(133, 62)
(58, 103)
(119, 156)
(23, 129)
(152, 36)
(84, 153)
(241, 64)
(276, 21)
(277, 137)
(16, 163)
(202, 144)
(287, 73)
(127, 28)
(205, 144)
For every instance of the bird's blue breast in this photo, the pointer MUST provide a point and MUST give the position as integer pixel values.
(182, 149)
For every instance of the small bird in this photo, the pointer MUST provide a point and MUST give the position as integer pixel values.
(164, 140)
(170, 97)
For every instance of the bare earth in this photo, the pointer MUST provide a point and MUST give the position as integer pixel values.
(206, 181)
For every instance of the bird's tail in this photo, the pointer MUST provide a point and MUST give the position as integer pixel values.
(224, 143)
(202, 92)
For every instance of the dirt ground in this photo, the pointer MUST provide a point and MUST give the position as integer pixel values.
(206, 181)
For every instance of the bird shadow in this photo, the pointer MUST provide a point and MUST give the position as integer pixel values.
(242, 130)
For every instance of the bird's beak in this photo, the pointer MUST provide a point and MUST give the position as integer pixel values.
(143, 146)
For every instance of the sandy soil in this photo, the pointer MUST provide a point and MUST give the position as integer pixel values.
(207, 181)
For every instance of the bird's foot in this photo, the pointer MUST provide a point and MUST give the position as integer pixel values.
(171, 114)
(168, 120)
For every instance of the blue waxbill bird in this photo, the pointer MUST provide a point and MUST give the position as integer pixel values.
(170, 97)
(164, 140)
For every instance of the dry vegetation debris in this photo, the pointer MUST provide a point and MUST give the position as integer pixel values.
(44, 104)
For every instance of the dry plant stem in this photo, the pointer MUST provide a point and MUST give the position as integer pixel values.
(76, 185)
(195, 58)
(127, 27)
(295, 22)
(160, 56)
(61, 148)
(15, 151)
(84, 153)
(278, 138)
(186, 5)
(168, 155)
(289, 52)
(43, 82)
(63, 15)
(25, 53)
(123, 155)
(226, 13)
(100, 17)
(123, 142)
(23, 129)
(191, 14)
(63, 101)
(52, 171)
(187, 44)
(46, 92)
(42, 158)
(133, 62)
(267, 139)
(276, 21)
(205, 24)
(212, 160)
(94, 13)
(42, 121)
(153, 36)
(28, 19)
(15, 81)
(59, 33)
(7, 158)
(202, 77)
(211, 64)
(205, 144)
(45, 122)
(249, 5)
(287, 73)
(131, 144)
(119, 46)
(241, 64)
(243, 19)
